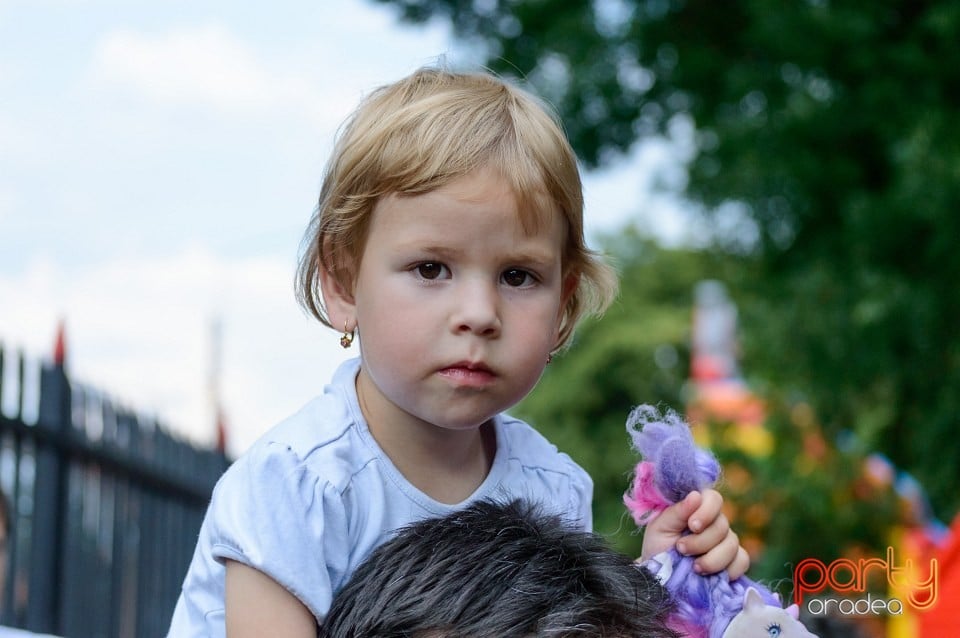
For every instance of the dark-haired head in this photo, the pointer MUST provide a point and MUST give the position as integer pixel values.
(498, 570)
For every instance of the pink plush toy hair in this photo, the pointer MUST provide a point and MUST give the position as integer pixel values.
(672, 467)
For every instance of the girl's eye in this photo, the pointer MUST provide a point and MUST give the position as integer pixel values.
(773, 630)
(430, 270)
(516, 277)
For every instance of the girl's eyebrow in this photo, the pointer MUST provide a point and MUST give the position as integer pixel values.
(533, 257)
(444, 252)
(536, 259)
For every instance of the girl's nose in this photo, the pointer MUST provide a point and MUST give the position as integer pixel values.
(477, 310)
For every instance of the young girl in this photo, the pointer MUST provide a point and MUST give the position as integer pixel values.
(449, 238)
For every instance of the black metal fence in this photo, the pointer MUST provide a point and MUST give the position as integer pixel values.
(104, 510)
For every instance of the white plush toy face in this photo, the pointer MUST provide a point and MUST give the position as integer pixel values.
(760, 620)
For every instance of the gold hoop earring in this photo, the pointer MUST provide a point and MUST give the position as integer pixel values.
(347, 339)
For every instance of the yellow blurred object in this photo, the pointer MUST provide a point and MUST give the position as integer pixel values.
(901, 625)
(752, 438)
(730, 402)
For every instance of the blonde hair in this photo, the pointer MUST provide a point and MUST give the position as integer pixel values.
(422, 133)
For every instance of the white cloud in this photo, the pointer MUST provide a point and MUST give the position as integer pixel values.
(206, 66)
(211, 68)
(140, 331)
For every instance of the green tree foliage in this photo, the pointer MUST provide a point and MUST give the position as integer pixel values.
(831, 127)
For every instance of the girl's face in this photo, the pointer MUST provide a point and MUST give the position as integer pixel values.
(456, 305)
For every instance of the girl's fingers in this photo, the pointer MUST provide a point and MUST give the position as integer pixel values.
(724, 555)
(706, 540)
(709, 509)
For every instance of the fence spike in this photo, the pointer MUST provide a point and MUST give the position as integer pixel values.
(60, 345)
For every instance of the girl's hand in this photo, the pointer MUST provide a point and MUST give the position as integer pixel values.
(711, 540)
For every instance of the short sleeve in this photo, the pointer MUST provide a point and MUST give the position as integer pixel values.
(271, 512)
(581, 497)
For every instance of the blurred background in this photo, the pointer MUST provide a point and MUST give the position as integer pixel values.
(778, 187)
(158, 165)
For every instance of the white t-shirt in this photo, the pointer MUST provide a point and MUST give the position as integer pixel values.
(11, 632)
(315, 495)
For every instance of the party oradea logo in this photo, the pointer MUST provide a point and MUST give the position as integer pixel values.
(846, 586)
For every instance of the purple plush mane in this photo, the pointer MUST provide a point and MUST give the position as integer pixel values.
(672, 467)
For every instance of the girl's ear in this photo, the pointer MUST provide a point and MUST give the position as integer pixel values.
(570, 284)
(338, 298)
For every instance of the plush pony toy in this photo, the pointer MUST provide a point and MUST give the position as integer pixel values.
(706, 606)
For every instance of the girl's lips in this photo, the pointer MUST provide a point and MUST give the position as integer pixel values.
(469, 374)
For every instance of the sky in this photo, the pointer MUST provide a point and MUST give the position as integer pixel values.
(159, 162)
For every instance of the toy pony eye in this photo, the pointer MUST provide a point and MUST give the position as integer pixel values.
(773, 630)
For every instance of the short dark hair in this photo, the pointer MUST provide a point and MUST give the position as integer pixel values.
(498, 571)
